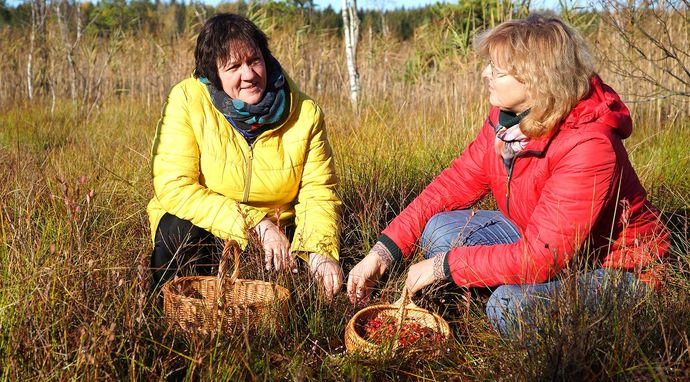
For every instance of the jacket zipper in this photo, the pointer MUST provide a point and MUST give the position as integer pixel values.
(510, 174)
(248, 176)
(512, 165)
(248, 163)
(248, 159)
(510, 177)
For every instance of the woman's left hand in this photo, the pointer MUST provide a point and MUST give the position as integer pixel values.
(275, 245)
(424, 273)
(327, 273)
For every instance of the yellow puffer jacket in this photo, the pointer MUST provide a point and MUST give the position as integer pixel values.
(204, 171)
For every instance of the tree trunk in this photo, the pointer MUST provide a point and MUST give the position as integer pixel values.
(63, 23)
(38, 19)
(351, 33)
(30, 59)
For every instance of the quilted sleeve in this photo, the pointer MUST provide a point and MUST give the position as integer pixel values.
(457, 187)
(317, 211)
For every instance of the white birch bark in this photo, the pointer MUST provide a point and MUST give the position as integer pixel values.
(30, 59)
(351, 33)
(39, 13)
(63, 23)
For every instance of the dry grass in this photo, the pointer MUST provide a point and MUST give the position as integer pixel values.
(74, 297)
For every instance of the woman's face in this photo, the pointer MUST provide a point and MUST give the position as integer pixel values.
(505, 91)
(244, 78)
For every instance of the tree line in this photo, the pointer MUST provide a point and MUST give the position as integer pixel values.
(86, 51)
(161, 18)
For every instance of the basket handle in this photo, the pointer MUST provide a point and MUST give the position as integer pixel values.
(230, 246)
(405, 301)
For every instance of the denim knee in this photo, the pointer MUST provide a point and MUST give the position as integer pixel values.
(430, 234)
(442, 230)
(503, 309)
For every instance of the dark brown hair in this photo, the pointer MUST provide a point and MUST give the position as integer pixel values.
(223, 37)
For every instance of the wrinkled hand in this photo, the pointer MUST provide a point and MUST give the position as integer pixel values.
(327, 273)
(366, 273)
(425, 273)
(276, 246)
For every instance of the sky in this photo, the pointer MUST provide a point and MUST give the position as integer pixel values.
(377, 4)
(392, 4)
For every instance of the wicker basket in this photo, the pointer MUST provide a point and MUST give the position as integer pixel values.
(193, 304)
(403, 310)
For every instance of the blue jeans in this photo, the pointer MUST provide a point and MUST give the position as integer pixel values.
(511, 307)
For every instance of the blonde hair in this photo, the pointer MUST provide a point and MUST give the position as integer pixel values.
(550, 58)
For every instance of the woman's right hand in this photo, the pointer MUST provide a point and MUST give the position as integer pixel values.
(367, 272)
(276, 246)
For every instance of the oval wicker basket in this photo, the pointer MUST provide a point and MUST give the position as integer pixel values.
(194, 304)
(402, 312)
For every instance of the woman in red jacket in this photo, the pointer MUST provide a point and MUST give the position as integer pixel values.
(551, 154)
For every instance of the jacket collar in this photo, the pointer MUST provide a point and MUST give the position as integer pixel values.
(535, 145)
(295, 99)
(602, 105)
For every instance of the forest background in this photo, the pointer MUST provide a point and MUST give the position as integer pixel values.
(81, 89)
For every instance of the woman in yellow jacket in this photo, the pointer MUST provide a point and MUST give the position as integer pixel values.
(239, 149)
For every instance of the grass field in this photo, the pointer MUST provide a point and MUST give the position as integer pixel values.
(74, 183)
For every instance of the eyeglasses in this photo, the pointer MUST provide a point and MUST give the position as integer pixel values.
(496, 73)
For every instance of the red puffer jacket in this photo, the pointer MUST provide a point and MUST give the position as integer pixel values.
(571, 191)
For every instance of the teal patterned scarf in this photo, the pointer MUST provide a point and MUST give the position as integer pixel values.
(252, 120)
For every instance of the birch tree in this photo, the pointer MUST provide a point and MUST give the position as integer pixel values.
(39, 13)
(69, 45)
(351, 33)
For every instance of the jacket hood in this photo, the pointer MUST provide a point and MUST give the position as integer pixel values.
(603, 106)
